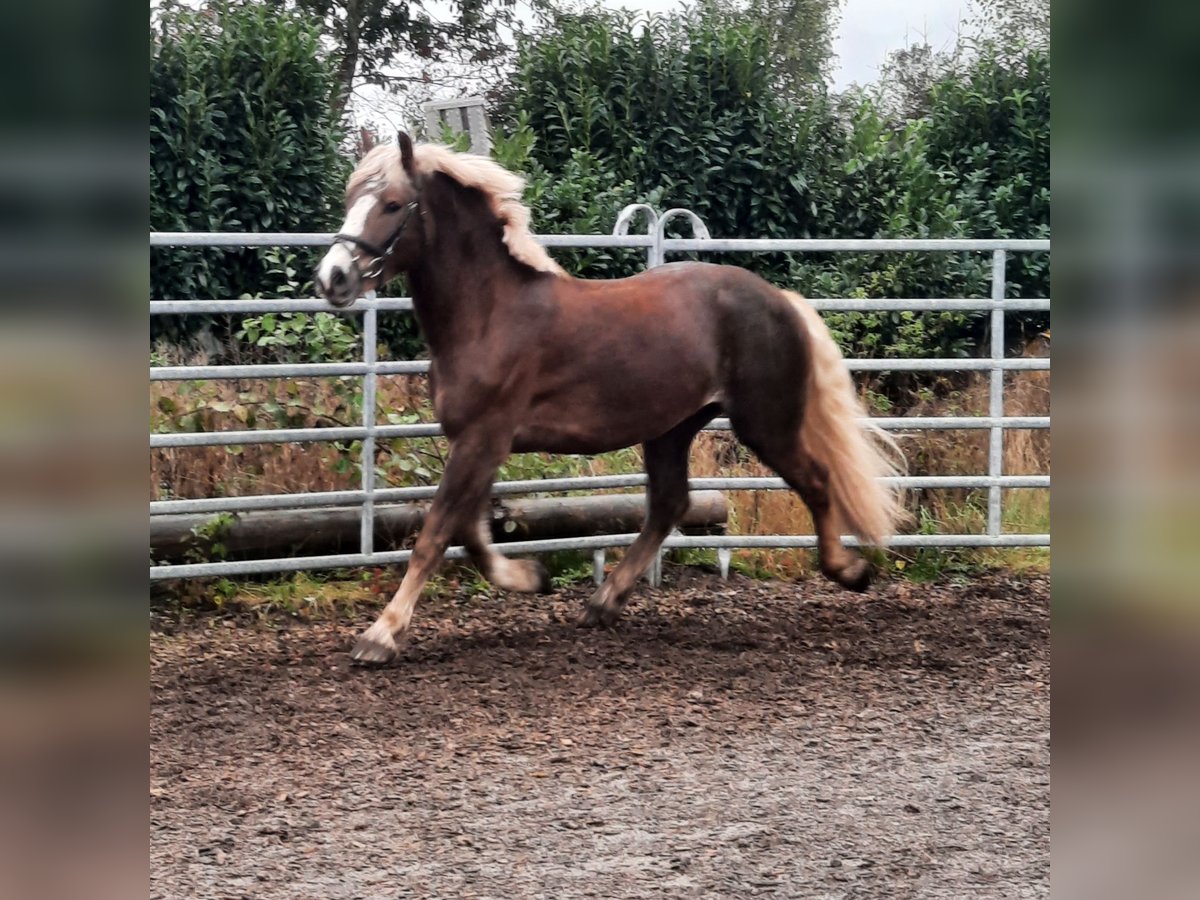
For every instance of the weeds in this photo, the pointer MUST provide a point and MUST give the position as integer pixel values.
(208, 539)
(568, 568)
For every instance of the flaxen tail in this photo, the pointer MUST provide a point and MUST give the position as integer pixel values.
(856, 453)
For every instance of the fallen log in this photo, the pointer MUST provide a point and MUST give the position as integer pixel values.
(310, 532)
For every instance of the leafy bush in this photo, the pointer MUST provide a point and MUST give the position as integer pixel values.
(293, 337)
(299, 337)
(989, 129)
(687, 109)
(241, 139)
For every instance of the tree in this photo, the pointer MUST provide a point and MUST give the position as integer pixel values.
(689, 109)
(687, 105)
(368, 36)
(908, 76)
(1012, 26)
(989, 131)
(1004, 31)
(800, 37)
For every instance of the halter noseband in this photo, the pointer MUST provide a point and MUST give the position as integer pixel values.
(375, 263)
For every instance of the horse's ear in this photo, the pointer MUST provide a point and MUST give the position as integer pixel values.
(406, 152)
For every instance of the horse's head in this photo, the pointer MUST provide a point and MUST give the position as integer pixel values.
(383, 232)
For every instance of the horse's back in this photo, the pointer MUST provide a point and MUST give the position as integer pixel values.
(740, 329)
(689, 275)
(747, 316)
(697, 289)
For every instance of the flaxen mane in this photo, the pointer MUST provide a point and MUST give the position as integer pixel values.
(502, 188)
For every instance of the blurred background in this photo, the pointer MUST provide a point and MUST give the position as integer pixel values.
(1126, 178)
(73, 283)
(73, 288)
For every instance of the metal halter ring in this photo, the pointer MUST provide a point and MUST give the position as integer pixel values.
(374, 266)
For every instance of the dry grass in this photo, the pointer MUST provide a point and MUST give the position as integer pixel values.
(195, 472)
(1026, 452)
(281, 468)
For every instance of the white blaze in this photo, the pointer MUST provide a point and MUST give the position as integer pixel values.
(339, 256)
(356, 219)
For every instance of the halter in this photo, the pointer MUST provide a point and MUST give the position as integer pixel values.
(375, 263)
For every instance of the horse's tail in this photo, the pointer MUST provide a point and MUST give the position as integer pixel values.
(837, 434)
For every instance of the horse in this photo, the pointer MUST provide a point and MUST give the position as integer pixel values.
(525, 357)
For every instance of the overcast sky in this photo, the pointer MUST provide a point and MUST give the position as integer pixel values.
(868, 30)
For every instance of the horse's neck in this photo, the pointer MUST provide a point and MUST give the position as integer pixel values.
(464, 275)
(452, 306)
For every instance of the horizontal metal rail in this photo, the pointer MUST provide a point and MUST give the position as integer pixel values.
(595, 542)
(658, 246)
(560, 485)
(433, 429)
(288, 370)
(320, 239)
(677, 245)
(850, 245)
(275, 304)
(241, 239)
(420, 367)
(404, 304)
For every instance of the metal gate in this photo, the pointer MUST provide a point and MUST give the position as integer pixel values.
(657, 246)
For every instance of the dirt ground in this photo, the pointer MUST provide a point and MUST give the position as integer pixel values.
(727, 739)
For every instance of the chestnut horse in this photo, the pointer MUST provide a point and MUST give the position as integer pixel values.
(527, 358)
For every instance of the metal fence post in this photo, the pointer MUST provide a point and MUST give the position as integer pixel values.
(654, 573)
(996, 396)
(370, 357)
(654, 257)
(699, 232)
(625, 217)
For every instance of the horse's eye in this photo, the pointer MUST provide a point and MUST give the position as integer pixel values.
(391, 208)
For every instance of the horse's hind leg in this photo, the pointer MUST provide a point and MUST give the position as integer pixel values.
(810, 479)
(527, 576)
(666, 460)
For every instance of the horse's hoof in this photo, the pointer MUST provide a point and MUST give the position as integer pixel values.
(370, 653)
(598, 616)
(526, 576)
(374, 648)
(856, 576)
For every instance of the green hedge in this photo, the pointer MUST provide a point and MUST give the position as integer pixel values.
(241, 139)
(684, 111)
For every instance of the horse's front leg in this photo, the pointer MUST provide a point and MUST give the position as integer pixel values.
(527, 576)
(474, 459)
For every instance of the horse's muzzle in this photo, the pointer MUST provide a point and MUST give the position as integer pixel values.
(338, 279)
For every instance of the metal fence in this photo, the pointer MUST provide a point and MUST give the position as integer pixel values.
(657, 246)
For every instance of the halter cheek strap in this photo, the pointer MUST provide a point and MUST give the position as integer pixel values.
(374, 266)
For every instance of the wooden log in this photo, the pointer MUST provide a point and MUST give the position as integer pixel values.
(286, 532)
(310, 532)
(560, 517)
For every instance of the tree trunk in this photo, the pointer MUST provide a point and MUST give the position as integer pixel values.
(309, 532)
(348, 58)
